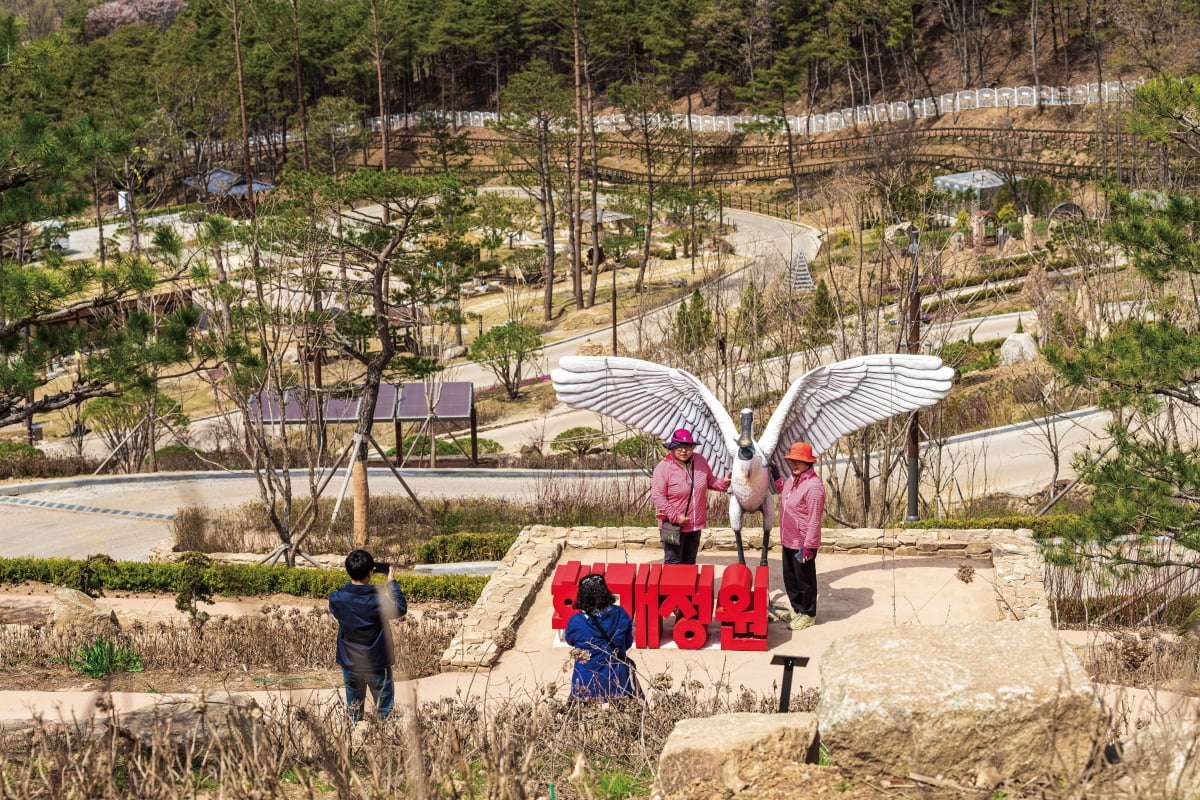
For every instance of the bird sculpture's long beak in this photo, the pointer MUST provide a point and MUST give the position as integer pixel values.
(746, 440)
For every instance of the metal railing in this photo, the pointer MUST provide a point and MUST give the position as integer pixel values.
(804, 125)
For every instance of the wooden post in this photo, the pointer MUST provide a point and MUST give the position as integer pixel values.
(362, 496)
(474, 436)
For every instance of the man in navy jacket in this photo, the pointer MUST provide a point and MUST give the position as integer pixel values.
(364, 646)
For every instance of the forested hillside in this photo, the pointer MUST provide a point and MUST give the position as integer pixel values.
(180, 59)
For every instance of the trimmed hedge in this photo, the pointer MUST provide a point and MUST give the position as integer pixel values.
(1059, 525)
(453, 547)
(228, 580)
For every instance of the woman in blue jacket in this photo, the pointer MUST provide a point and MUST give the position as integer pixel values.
(603, 632)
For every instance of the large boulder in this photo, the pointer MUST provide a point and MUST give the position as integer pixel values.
(898, 234)
(73, 617)
(1163, 759)
(733, 750)
(967, 701)
(1018, 348)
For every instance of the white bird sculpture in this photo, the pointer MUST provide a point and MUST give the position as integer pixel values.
(821, 406)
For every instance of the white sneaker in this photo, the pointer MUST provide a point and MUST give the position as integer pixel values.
(801, 621)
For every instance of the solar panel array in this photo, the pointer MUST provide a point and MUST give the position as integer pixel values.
(404, 402)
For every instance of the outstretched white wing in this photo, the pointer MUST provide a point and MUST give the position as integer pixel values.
(651, 398)
(834, 400)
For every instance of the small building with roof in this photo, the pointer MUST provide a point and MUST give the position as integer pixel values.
(982, 183)
(222, 183)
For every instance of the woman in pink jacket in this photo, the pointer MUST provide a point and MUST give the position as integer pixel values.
(680, 495)
(801, 506)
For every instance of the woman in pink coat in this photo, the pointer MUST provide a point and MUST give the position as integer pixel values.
(801, 506)
(680, 495)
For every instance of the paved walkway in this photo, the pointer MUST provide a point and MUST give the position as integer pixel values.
(126, 516)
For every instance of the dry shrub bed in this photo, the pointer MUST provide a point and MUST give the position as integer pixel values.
(537, 746)
(397, 529)
(278, 641)
(1145, 659)
(24, 467)
(1144, 622)
(512, 748)
(396, 526)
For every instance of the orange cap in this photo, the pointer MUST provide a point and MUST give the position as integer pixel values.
(801, 451)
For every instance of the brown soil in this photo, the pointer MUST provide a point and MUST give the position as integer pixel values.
(191, 681)
(34, 589)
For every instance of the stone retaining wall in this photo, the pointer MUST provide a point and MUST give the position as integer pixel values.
(490, 627)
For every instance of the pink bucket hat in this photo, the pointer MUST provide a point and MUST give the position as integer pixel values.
(681, 436)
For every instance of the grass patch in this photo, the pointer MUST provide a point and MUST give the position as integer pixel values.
(102, 657)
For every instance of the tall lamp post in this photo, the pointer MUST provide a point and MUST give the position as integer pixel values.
(914, 347)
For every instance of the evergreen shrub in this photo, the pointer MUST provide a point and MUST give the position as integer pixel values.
(455, 547)
(11, 448)
(578, 440)
(231, 580)
(641, 446)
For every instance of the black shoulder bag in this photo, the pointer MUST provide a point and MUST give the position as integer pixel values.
(618, 654)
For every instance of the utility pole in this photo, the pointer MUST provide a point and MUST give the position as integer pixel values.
(614, 306)
(914, 348)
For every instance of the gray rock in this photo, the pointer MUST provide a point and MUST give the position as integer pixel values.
(953, 700)
(898, 234)
(454, 351)
(75, 616)
(1017, 348)
(733, 749)
(1163, 759)
(191, 724)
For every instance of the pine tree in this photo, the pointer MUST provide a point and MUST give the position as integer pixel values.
(822, 314)
(751, 317)
(693, 325)
(1147, 481)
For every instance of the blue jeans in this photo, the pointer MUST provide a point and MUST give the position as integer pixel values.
(378, 682)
